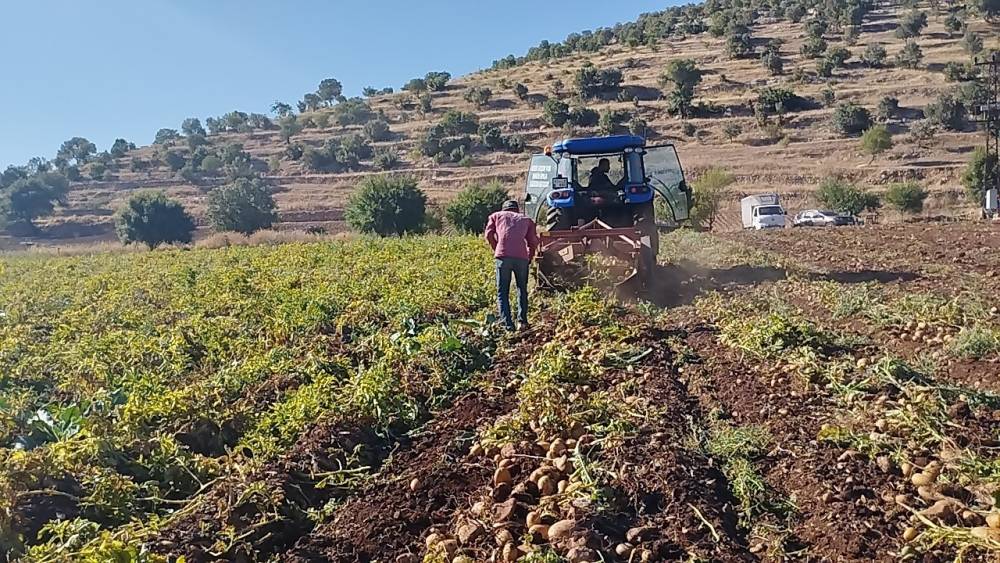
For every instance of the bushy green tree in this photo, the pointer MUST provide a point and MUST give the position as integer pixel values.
(288, 127)
(151, 218)
(78, 150)
(416, 85)
(888, 108)
(838, 56)
(353, 111)
(682, 76)
(165, 136)
(906, 197)
(946, 111)
(120, 148)
(911, 24)
(385, 159)
(709, 191)
(840, 196)
(330, 90)
(813, 48)
(377, 130)
(972, 43)
(772, 62)
(478, 95)
(980, 174)
(876, 140)
(739, 42)
(192, 126)
(953, 24)
(387, 206)
(874, 56)
(850, 119)
(27, 198)
(281, 109)
(437, 81)
(910, 56)
(468, 212)
(244, 206)
(457, 122)
(521, 91)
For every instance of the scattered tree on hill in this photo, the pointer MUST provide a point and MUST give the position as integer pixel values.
(981, 172)
(876, 140)
(521, 91)
(165, 136)
(813, 48)
(638, 126)
(353, 111)
(953, 24)
(887, 109)
(25, 199)
(244, 206)
(330, 90)
(838, 195)
(555, 112)
(192, 126)
(310, 102)
(874, 56)
(426, 103)
(947, 112)
(709, 191)
(288, 127)
(470, 209)
(911, 24)
(739, 43)
(77, 150)
(281, 109)
(194, 141)
(583, 116)
(851, 35)
(611, 119)
(591, 81)
(416, 85)
(824, 68)
(682, 76)
(838, 56)
(385, 159)
(478, 95)
(120, 148)
(151, 218)
(387, 206)
(98, 170)
(377, 130)
(959, 72)
(906, 197)
(850, 119)
(910, 56)
(772, 61)
(972, 43)
(437, 81)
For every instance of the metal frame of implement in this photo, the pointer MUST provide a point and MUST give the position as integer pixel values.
(595, 237)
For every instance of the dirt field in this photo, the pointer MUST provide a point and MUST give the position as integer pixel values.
(804, 394)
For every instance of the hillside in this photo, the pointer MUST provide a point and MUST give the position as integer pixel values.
(791, 158)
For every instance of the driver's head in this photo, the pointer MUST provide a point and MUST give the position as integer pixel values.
(604, 165)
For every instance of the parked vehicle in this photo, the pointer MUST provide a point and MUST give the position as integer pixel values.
(762, 211)
(822, 218)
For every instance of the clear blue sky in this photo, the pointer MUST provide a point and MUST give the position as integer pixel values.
(103, 69)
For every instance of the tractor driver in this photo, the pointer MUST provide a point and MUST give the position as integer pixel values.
(599, 180)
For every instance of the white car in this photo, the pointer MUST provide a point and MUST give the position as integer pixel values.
(821, 218)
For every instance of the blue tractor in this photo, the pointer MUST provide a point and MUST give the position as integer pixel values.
(597, 195)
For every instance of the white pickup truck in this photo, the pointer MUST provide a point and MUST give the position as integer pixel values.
(762, 211)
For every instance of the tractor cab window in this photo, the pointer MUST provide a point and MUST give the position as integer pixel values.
(587, 165)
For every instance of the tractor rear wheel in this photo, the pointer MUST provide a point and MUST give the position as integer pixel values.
(645, 222)
(558, 219)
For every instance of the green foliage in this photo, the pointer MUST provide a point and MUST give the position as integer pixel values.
(520, 91)
(876, 140)
(910, 56)
(611, 119)
(850, 119)
(972, 43)
(976, 343)
(591, 81)
(353, 111)
(555, 112)
(437, 81)
(478, 95)
(709, 191)
(243, 206)
(457, 122)
(981, 172)
(377, 130)
(166, 136)
(77, 149)
(584, 116)
(813, 48)
(842, 197)
(888, 108)
(330, 90)
(416, 85)
(385, 159)
(953, 24)
(386, 206)
(946, 111)
(771, 60)
(149, 217)
(468, 211)
(911, 24)
(739, 42)
(874, 56)
(120, 148)
(28, 198)
(289, 127)
(192, 126)
(958, 72)
(682, 76)
(906, 197)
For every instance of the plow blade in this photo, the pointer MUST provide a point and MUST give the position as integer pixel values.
(562, 256)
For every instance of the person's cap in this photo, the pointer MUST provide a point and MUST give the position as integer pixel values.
(509, 205)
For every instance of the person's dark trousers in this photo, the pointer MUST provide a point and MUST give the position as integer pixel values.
(518, 268)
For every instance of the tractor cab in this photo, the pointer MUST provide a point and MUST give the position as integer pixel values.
(598, 194)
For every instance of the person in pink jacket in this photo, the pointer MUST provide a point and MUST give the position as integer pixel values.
(514, 241)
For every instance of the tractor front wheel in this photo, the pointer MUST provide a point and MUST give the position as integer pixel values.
(645, 222)
(558, 219)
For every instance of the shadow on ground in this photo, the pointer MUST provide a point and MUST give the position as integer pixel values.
(681, 283)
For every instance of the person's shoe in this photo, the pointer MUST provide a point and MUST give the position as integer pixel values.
(510, 328)
(523, 327)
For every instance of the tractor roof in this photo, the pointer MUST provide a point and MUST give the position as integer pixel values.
(599, 145)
